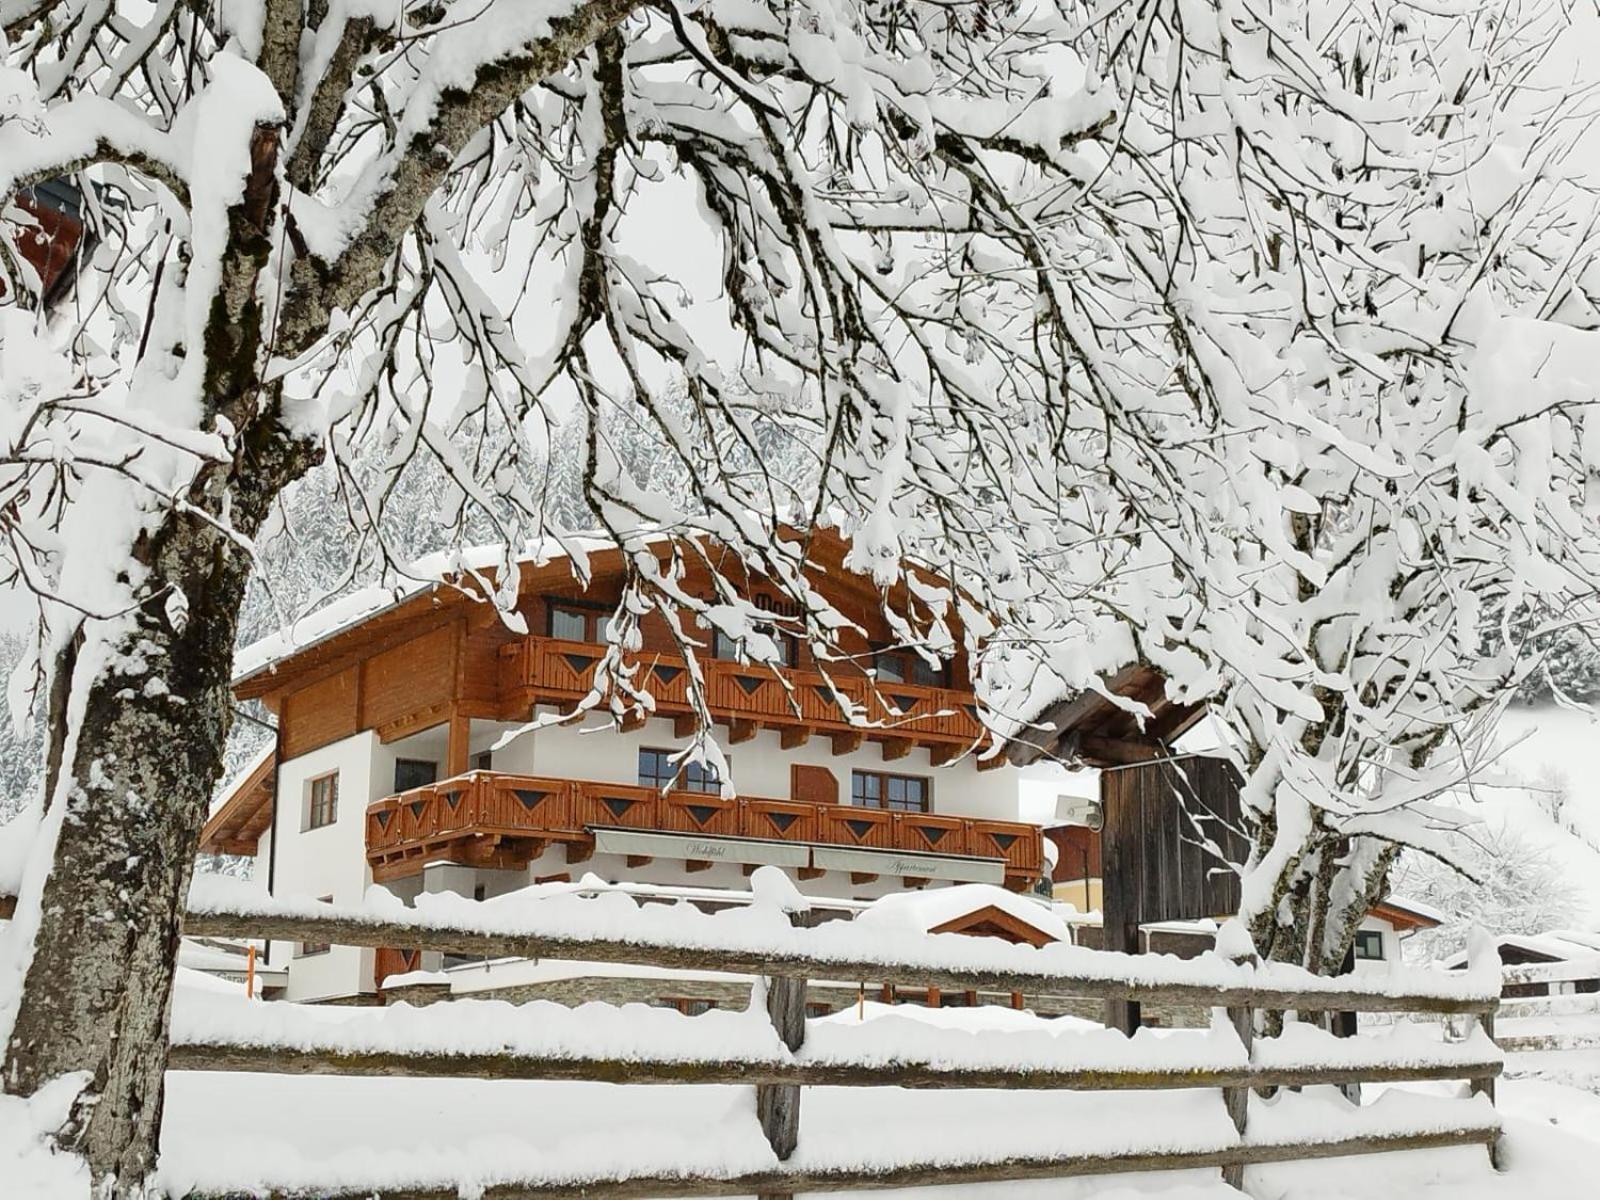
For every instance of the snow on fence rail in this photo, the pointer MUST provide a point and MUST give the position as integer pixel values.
(776, 1053)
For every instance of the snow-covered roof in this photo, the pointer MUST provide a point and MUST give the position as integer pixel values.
(239, 777)
(1415, 907)
(934, 907)
(1561, 945)
(424, 575)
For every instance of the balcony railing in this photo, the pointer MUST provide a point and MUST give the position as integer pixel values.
(550, 670)
(491, 818)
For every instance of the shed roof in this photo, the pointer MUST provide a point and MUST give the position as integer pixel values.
(1132, 719)
(962, 907)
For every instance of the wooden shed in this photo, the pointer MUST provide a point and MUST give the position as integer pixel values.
(1171, 834)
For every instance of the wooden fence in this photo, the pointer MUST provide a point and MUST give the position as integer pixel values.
(778, 1083)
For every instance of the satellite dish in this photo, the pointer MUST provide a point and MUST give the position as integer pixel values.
(1080, 810)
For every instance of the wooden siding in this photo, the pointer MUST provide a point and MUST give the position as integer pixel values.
(1153, 863)
(320, 714)
(1077, 852)
(412, 677)
(441, 654)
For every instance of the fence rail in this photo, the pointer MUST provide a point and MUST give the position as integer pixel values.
(365, 931)
(783, 1182)
(788, 957)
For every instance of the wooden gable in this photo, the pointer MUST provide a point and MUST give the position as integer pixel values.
(246, 812)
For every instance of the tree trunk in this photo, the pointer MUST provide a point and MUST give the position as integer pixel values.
(99, 987)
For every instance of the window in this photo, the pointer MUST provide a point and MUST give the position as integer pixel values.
(906, 666)
(484, 761)
(310, 949)
(1369, 944)
(902, 793)
(414, 773)
(579, 622)
(657, 770)
(732, 649)
(322, 801)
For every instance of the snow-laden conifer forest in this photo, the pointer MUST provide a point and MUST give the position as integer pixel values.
(941, 408)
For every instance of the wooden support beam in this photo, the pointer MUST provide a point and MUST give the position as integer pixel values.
(794, 736)
(895, 747)
(846, 743)
(578, 852)
(458, 754)
(740, 730)
(632, 720)
(943, 753)
(640, 860)
(862, 876)
(914, 881)
(993, 763)
(683, 725)
(692, 865)
(1119, 752)
(810, 873)
(1237, 1100)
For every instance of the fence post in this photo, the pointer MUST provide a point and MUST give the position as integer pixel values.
(1483, 954)
(778, 1105)
(1483, 1085)
(1237, 1100)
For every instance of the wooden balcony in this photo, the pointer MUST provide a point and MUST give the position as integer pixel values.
(539, 670)
(491, 819)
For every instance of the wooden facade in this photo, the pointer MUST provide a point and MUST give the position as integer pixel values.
(444, 654)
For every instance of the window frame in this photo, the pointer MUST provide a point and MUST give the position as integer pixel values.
(594, 617)
(314, 806)
(1368, 937)
(910, 669)
(884, 778)
(788, 646)
(680, 780)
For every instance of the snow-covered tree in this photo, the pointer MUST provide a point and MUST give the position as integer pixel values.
(1219, 334)
(1503, 882)
(1378, 428)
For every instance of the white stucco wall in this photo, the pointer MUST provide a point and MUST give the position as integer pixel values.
(1391, 946)
(329, 861)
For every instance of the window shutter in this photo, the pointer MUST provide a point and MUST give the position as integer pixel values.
(813, 785)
